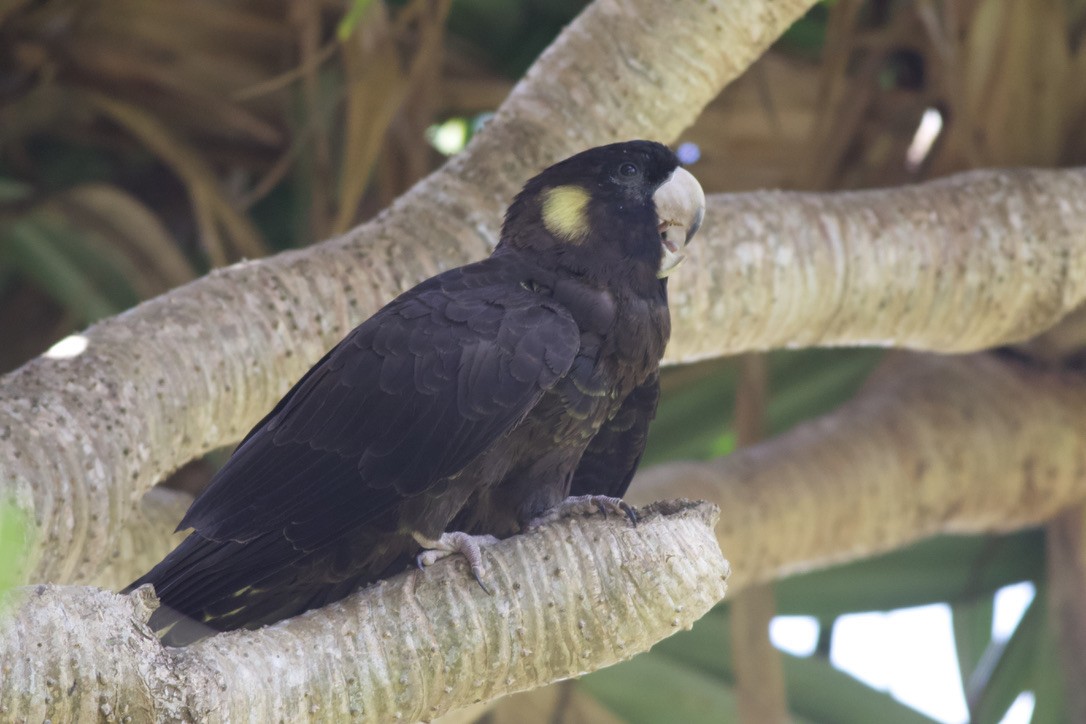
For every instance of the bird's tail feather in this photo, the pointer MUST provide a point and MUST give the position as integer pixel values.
(209, 586)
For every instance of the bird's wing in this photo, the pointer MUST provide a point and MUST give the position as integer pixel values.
(409, 398)
(612, 456)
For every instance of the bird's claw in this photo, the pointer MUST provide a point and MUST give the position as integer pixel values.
(586, 505)
(469, 546)
(615, 505)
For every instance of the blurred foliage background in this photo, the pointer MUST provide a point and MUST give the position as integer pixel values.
(143, 142)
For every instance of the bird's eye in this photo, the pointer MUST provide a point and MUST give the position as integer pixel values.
(628, 169)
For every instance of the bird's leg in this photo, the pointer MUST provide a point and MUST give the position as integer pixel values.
(585, 505)
(469, 546)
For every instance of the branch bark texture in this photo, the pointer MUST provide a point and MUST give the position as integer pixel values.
(972, 261)
(933, 445)
(145, 538)
(194, 369)
(568, 598)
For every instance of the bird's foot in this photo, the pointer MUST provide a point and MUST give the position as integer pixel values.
(469, 546)
(585, 505)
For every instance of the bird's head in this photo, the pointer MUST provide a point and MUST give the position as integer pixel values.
(622, 204)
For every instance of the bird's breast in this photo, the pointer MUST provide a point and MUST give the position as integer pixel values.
(594, 309)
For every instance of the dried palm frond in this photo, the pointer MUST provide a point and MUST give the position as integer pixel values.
(166, 124)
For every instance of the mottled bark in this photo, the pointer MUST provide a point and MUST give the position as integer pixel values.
(776, 269)
(944, 445)
(568, 598)
(959, 264)
(932, 445)
(145, 538)
(970, 261)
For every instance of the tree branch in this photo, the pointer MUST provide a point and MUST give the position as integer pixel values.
(972, 261)
(569, 598)
(933, 445)
(895, 247)
(142, 541)
(194, 369)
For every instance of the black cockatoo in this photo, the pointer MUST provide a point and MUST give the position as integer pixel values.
(501, 393)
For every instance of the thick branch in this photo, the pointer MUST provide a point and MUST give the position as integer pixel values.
(964, 263)
(932, 445)
(144, 539)
(569, 598)
(788, 269)
(764, 301)
(81, 438)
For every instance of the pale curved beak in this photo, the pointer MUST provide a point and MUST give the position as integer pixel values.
(680, 206)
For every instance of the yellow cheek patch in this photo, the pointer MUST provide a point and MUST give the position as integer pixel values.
(565, 212)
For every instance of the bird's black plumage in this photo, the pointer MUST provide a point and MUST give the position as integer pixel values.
(472, 402)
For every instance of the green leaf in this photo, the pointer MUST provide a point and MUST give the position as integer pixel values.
(816, 690)
(652, 688)
(972, 621)
(26, 245)
(352, 19)
(1006, 668)
(695, 669)
(819, 692)
(707, 646)
(101, 263)
(811, 383)
(696, 408)
(724, 445)
(947, 568)
(1047, 679)
(12, 190)
(14, 532)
